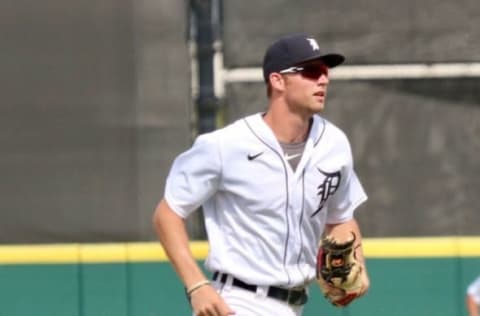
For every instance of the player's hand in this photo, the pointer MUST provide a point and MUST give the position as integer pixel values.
(207, 302)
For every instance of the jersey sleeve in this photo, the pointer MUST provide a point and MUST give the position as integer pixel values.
(474, 290)
(194, 176)
(349, 195)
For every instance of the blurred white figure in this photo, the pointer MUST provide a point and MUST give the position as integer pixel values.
(473, 298)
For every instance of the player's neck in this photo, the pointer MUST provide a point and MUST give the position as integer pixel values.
(288, 127)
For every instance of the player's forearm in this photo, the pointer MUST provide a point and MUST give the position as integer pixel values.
(173, 236)
(472, 307)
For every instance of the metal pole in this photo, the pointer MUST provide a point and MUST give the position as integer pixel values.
(206, 32)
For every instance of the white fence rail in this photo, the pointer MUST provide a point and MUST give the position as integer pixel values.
(372, 72)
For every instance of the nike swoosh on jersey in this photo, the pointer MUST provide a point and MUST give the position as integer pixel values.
(251, 157)
(288, 157)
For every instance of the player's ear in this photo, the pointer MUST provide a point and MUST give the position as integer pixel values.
(277, 81)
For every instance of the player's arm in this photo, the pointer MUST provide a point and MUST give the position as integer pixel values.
(472, 306)
(343, 231)
(173, 236)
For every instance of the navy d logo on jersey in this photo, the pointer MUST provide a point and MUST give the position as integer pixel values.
(327, 188)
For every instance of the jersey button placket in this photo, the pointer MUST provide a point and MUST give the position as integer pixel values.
(294, 212)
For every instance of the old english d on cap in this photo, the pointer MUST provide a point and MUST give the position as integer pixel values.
(293, 50)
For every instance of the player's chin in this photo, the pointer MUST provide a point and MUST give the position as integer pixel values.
(319, 100)
(318, 107)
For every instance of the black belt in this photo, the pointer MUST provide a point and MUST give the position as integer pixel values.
(292, 297)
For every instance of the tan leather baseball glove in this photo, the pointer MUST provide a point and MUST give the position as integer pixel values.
(340, 275)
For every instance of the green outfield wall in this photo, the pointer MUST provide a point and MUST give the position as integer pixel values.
(410, 276)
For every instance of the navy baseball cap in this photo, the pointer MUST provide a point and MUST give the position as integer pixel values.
(293, 50)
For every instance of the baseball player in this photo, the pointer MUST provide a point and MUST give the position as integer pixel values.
(271, 184)
(473, 297)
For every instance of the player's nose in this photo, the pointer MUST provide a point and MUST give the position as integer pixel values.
(323, 79)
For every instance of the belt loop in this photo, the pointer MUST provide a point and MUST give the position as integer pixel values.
(262, 291)
(228, 282)
(289, 296)
(216, 279)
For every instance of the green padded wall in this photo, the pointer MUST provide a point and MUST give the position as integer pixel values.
(137, 280)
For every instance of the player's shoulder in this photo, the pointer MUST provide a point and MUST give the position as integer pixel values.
(329, 130)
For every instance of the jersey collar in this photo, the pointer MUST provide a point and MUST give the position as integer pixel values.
(265, 133)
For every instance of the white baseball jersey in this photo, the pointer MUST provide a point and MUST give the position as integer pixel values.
(263, 219)
(474, 290)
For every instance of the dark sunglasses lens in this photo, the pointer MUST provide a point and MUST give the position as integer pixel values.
(314, 71)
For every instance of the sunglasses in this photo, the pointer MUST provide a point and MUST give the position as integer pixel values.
(308, 71)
